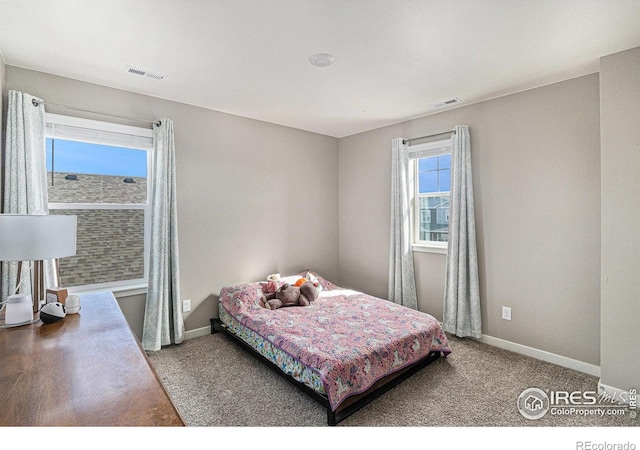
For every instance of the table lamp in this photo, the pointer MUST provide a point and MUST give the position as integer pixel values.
(34, 238)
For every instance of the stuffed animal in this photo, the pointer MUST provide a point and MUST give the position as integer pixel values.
(273, 277)
(289, 295)
(269, 289)
(309, 276)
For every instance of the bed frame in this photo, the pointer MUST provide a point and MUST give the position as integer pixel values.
(351, 404)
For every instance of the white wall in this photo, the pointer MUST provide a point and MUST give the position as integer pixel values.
(620, 119)
(536, 168)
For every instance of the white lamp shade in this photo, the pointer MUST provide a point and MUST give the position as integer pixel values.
(36, 237)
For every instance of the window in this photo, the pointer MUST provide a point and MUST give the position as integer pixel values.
(431, 168)
(99, 172)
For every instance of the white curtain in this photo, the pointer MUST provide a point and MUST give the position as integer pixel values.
(163, 323)
(402, 283)
(462, 294)
(25, 176)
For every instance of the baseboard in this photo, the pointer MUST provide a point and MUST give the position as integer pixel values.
(196, 333)
(542, 355)
(612, 392)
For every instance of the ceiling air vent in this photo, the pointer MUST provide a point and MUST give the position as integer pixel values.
(143, 73)
(447, 102)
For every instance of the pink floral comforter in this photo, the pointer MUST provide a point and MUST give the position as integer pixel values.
(349, 338)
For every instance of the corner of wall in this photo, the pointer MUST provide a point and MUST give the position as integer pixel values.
(620, 243)
(2, 126)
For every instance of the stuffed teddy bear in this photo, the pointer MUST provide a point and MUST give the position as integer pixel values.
(289, 295)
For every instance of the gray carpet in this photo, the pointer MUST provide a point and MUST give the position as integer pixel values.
(214, 382)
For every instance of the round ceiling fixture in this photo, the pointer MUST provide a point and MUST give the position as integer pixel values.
(322, 59)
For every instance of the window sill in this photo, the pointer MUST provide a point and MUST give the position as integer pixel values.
(118, 291)
(421, 248)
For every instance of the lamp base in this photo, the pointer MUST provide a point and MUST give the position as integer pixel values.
(19, 310)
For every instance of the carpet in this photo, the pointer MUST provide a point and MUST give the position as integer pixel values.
(215, 383)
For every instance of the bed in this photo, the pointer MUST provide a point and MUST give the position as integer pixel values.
(345, 349)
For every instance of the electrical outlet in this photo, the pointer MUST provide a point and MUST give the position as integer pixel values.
(506, 313)
(186, 305)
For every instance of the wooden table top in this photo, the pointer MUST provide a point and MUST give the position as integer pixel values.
(86, 370)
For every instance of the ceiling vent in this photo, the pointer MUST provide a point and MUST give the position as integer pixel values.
(143, 73)
(447, 102)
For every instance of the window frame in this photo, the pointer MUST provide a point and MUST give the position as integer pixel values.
(128, 287)
(416, 152)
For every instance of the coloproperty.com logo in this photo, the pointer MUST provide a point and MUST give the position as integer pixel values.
(534, 403)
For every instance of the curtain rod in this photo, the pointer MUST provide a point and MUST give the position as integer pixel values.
(407, 141)
(35, 102)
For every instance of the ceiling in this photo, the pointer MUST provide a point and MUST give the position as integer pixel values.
(393, 58)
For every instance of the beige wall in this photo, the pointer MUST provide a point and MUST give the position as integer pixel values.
(253, 197)
(246, 207)
(620, 121)
(3, 96)
(536, 168)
